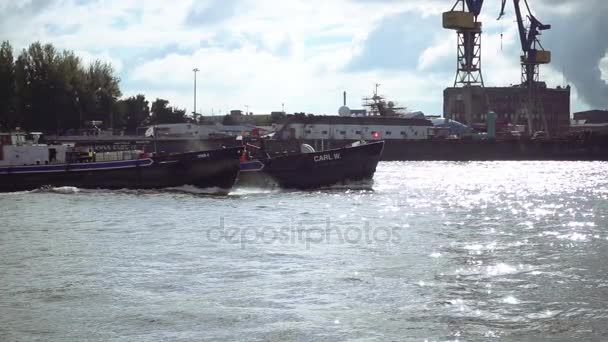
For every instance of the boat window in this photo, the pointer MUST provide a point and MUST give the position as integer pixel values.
(403, 133)
(343, 132)
(308, 131)
(324, 132)
(357, 132)
(388, 133)
(416, 133)
(52, 155)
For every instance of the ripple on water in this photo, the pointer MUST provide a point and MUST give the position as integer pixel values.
(512, 250)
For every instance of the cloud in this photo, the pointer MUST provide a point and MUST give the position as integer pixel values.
(301, 52)
(578, 43)
(211, 12)
(395, 43)
(604, 67)
(88, 58)
(231, 79)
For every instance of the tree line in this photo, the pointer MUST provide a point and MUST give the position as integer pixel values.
(47, 90)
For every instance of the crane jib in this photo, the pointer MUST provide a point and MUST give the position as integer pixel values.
(528, 37)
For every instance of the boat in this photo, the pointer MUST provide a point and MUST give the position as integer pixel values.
(29, 165)
(310, 169)
(414, 136)
(417, 139)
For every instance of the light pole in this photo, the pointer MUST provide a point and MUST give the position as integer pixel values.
(195, 70)
(77, 98)
(246, 109)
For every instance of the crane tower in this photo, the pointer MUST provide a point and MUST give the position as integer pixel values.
(533, 56)
(463, 18)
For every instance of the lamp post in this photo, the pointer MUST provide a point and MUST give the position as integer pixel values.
(246, 109)
(53, 109)
(195, 70)
(77, 100)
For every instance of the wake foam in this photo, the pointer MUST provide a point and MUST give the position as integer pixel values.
(64, 190)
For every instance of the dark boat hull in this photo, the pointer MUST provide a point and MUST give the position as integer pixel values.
(209, 169)
(319, 169)
(469, 150)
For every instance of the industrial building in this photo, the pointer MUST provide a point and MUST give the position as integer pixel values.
(470, 105)
(594, 116)
(530, 104)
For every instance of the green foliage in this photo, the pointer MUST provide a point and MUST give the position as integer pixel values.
(132, 112)
(52, 91)
(162, 113)
(7, 85)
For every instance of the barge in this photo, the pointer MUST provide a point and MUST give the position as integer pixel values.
(28, 165)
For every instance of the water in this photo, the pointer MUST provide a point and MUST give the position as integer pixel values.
(512, 251)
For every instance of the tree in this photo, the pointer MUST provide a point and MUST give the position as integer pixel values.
(34, 87)
(53, 91)
(103, 90)
(7, 86)
(132, 112)
(162, 113)
(70, 84)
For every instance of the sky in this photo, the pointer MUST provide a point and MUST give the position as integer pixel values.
(261, 54)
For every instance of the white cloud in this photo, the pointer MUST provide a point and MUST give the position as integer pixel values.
(231, 79)
(264, 52)
(604, 67)
(436, 53)
(310, 78)
(88, 58)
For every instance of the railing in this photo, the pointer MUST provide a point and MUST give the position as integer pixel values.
(117, 155)
(91, 132)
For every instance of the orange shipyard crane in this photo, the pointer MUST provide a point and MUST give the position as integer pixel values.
(463, 19)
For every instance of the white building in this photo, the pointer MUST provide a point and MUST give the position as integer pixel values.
(204, 132)
(355, 128)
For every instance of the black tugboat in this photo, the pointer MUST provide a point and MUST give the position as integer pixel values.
(29, 166)
(309, 170)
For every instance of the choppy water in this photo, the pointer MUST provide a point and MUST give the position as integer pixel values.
(437, 251)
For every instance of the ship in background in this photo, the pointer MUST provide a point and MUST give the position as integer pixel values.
(414, 136)
(527, 121)
(408, 135)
